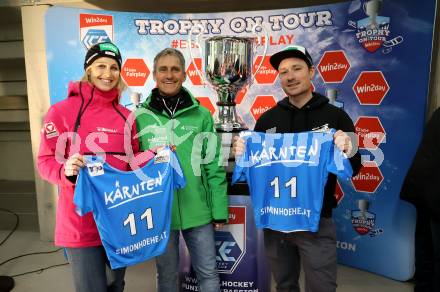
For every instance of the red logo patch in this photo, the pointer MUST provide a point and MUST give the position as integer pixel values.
(51, 130)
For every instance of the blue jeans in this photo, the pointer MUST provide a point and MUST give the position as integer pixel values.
(201, 246)
(91, 270)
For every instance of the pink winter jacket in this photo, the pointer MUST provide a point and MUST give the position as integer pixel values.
(102, 126)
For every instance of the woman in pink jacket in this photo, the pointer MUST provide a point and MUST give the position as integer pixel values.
(89, 121)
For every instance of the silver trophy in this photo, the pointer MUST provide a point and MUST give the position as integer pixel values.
(372, 9)
(135, 98)
(228, 68)
(332, 94)
(363, 205)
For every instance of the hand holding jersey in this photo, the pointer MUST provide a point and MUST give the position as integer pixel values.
(132, 209)
(238, 146)
(287, 174)
(341, 140)
(73, 164)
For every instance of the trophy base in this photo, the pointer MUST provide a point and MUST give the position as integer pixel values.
(230, 127)
(228, 120)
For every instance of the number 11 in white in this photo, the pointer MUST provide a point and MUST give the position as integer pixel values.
(291, 183)
(130, 220)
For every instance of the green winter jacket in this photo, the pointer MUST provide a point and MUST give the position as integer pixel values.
(204, 198)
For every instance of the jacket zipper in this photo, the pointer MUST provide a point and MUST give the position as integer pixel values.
(177, 191)
(173, 114)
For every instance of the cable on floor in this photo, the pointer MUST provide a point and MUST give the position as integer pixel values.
(39, 270)
(17, 221)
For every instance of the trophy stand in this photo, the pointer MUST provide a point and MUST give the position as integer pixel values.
(228, 119)
(227, 113)
(228, 68)
(227, 128)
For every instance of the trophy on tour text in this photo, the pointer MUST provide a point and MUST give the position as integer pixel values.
(228, 67)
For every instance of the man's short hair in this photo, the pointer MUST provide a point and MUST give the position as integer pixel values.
(169, 52)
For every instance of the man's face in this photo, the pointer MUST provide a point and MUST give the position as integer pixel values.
(169, 75)
(295, 77)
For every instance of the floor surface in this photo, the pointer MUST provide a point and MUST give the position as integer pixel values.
(138, 278)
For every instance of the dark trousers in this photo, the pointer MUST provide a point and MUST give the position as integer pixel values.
(315, 251)
(427, 253)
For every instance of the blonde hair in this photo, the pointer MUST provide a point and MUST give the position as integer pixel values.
(121, 85)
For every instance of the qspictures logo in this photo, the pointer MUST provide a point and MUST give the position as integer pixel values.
(373, 32)
(95, 28)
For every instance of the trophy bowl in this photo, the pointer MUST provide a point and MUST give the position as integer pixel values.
(228, 62)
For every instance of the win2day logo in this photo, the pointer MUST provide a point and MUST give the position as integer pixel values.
(95, 28)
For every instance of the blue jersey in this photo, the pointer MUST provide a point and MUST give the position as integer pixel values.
(132, 209)
(286, 174)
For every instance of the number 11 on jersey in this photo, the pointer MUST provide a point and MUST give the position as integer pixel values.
(148, 215)
(290, 183)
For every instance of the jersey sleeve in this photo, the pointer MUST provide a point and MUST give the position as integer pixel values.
(338, 163)
(241, 168)
(83, 197)
(179, 178)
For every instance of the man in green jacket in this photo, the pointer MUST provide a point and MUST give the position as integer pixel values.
(171, 115)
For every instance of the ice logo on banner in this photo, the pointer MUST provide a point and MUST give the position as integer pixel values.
(230, 241)
(228, 251)
(373, 32)
(362, 220)
(95, 28)
(95, 36)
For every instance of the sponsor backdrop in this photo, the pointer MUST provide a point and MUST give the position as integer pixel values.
(371, 57)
